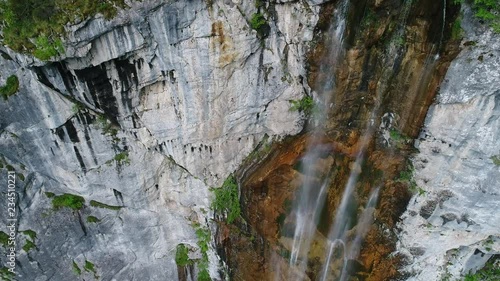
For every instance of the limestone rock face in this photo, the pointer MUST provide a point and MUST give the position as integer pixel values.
(144, 112)
(451, 227)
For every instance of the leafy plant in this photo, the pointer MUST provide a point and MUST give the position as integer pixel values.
(10, 88)
(227, 200)
(306, 105)
(67, 200)
(259, 23)
(122, 158)
(181, 256)
(94, 203)
(204, 238)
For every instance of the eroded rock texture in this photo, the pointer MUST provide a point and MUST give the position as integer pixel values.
(145, 112)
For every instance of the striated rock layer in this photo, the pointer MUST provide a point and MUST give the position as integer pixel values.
(144, 113)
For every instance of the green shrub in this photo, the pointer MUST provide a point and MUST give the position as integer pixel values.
(306, 105)
(122, 158)
(203, 275)
(227, 200)
(181, 256)
(257, 21)
(94, 203)
(72, 201)
(204, 238)
(11, 87)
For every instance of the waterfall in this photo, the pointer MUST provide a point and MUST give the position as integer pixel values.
(362, 229)
(312, 195)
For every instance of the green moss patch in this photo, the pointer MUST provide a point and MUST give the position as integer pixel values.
(10, 88)
(67, 200)
(94, 203)
(93, 219)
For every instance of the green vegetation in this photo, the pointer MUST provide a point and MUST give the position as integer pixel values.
(4, 238)
(94, 203)
(93, 219)
(181, 256)
(89, 267)
(495, 159)
(72, 201)
(30, 233)
(21, 177)
(456, 29)
(487, 11)
(490, 272)
(204, 238)
(77, 107)
(122, 158)
(396, 135)
(76, 269)
(306, 105)
(28, 246)
(50, 194)
(6, 275)
(257, 21)
(106, 126)
(11, 87)
(227, 199)
(37, 27)
(406, 177)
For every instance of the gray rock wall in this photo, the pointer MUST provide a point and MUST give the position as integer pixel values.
(171, 98)
(451, 226)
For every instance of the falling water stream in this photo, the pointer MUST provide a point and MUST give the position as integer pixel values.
(311, 199)
(312, 193)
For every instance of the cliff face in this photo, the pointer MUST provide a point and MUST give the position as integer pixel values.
(451, 227)
(147, 111)
(144, 113)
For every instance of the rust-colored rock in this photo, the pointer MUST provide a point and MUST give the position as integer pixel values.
(369, 84)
